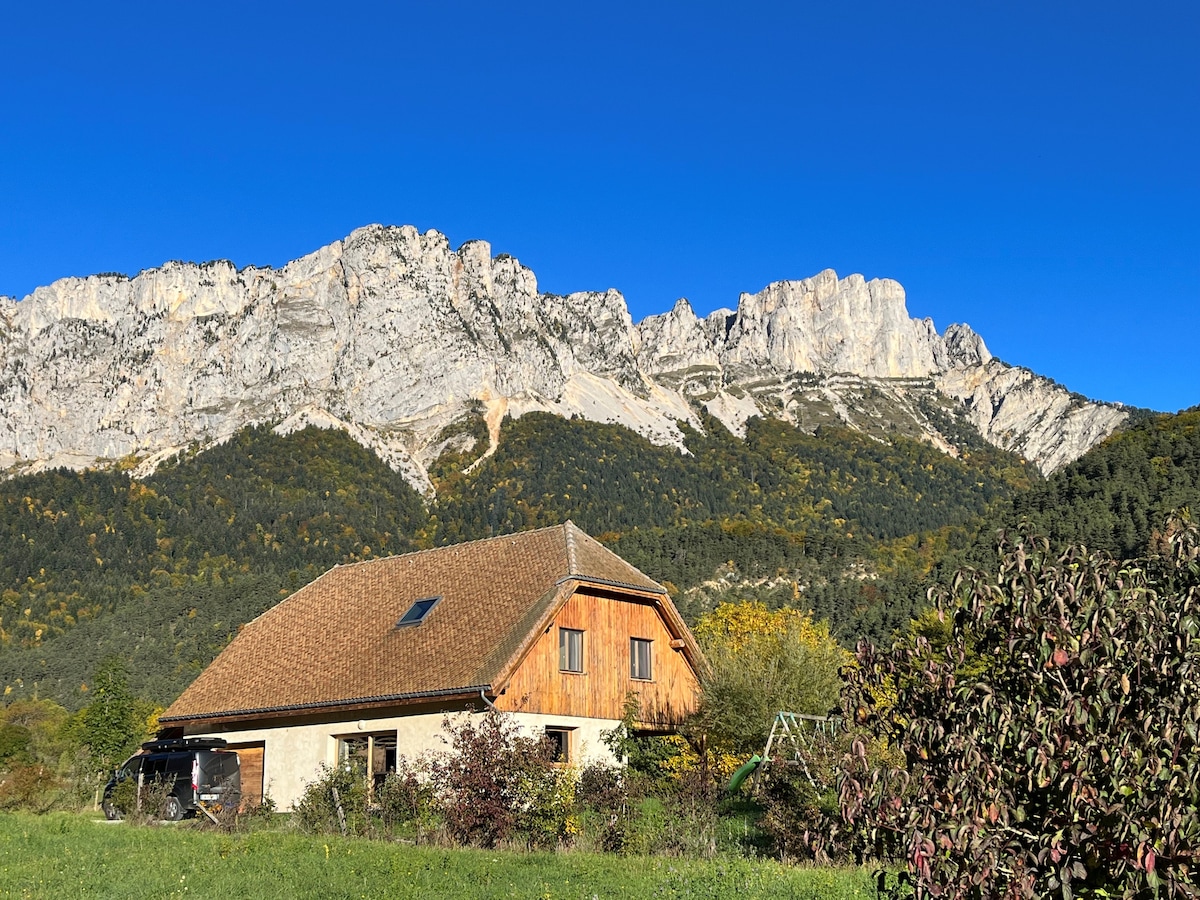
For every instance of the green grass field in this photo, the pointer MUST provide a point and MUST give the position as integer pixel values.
(67, 856)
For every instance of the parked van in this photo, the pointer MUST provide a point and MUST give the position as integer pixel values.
(199, 770)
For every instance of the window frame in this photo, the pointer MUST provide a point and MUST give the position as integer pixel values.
(405, 622)
(566, 756)
(635, 659)
(362, 752)
(570, 639)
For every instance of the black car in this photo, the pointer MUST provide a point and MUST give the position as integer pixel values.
(199, 770)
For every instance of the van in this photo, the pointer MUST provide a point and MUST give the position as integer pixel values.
(199, 770)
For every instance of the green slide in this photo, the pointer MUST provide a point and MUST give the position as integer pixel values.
(741, 774)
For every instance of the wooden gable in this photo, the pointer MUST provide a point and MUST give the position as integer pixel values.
(608, 619)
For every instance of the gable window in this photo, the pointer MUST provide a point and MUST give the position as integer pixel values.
(570, 650)
(639, 659)
(417, 612)
(560, 743)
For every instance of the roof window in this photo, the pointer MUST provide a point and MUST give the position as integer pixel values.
(417, 612)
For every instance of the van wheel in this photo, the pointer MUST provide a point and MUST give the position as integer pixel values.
(110, 812)
(173, 809)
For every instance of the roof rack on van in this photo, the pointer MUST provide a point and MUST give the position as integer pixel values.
(196, 743)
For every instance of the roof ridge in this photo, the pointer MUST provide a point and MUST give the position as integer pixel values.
(569, 528)
(575, 536)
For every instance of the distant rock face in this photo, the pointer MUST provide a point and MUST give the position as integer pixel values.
(393, 335)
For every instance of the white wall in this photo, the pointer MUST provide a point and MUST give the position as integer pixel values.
(293, 754)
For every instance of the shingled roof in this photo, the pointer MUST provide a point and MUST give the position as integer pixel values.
(335, 642)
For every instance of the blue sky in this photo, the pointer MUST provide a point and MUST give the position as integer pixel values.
(1028, 168)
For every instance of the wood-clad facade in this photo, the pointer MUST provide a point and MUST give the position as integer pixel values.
(608, 621)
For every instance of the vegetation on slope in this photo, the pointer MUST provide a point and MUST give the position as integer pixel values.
(163, 571)
(1115, 497)
(819, 515)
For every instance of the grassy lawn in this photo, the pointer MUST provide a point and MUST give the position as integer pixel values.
(63, 855)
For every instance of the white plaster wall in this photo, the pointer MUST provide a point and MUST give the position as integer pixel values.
(293, 754)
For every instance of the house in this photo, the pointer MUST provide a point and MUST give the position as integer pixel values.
(364, 663)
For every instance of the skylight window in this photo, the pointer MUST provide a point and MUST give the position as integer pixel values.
(417, 612)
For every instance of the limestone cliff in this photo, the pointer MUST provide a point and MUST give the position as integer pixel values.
(393, 335)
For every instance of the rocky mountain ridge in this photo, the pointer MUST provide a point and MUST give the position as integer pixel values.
(393, 335)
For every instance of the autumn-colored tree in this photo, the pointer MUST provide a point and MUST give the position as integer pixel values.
(1064, 765)
(760, 662)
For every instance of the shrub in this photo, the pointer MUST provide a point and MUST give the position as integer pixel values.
(603, 792)
(1065, 763)
(150, 806)
(29, 786)
(692, 811)
(799, 817)
(495, 784)
(404, 798)
(335, 802)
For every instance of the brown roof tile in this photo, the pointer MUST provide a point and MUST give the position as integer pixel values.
(335, 641)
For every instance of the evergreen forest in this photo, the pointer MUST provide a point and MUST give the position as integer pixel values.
(162, 571)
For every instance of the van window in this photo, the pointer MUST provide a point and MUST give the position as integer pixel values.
(153, 767)
(217, 768)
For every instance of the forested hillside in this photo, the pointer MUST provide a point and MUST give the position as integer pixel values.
(163, 571)
(837, 521)
(1115, 498)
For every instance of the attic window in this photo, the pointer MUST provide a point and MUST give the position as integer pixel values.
(417, 612)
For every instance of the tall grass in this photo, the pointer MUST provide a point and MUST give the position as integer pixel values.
(63, 855)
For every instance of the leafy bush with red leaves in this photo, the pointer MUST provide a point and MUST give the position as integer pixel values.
(495, 784)
(1065, 765)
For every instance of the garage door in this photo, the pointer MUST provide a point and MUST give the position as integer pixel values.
(251, 758)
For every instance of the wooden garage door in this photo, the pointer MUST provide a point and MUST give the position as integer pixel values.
(250, 756)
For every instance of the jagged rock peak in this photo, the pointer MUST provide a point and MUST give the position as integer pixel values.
(394, 335)
(964, 348)
(827, 324)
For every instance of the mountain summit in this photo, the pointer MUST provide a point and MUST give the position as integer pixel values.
(393, 336)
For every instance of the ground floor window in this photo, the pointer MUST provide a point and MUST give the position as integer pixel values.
(560, 743)
(369, 754)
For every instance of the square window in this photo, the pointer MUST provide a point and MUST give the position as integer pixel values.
(570, 650)
(560, 744)
(639, 659)
(372, 755)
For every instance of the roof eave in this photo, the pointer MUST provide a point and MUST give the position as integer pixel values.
(355, 703)
(658, 589)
